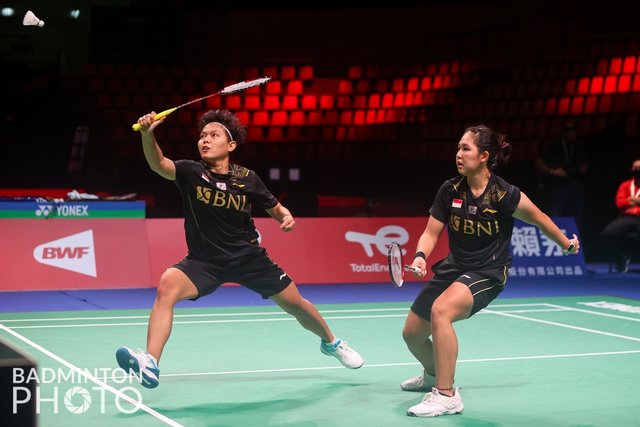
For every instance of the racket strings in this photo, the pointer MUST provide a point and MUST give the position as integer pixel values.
(397, 269)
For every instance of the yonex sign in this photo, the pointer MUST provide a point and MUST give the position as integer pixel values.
(72, 210)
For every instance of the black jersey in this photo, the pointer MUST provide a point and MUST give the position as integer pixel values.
(479, 229)
(217, 210)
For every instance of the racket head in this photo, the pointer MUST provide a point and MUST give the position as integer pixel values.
(396, 266)
(237, 87)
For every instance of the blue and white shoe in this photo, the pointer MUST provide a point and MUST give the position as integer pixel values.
(143, 365)
(341, 351)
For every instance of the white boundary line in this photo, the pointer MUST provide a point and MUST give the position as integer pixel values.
(258, 313)
(90, 377)
(562, 325)
(386, 365)
(597, 313)
(287, 319)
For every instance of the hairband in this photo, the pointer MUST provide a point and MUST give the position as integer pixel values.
(225, 128)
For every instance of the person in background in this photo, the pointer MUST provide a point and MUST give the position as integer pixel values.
(222, 241)
(562, 165)
(614, 235)
(479, 208)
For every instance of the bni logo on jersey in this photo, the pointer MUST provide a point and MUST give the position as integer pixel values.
(74, 253)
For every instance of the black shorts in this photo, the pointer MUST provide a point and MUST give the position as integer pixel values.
(485, 285)
(258, 273)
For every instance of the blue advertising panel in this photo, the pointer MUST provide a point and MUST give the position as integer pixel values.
(537, 256)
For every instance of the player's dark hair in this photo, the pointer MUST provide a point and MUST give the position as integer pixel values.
(494, 143)
(227, 119)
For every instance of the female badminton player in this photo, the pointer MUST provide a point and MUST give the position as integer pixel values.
(222, 241)
(479, 208)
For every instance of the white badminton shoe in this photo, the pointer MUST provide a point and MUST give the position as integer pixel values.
(143, 365)
(345, 354)
(423, 382)
(435, 404)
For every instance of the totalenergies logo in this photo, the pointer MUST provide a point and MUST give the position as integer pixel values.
(381, 240)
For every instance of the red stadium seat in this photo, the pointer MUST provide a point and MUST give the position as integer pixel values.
(272, 102)
(295, 87)
(288, 73)
(297, 118)
(327, 102)
(306, 73)
(309, 102)
(260, 118)
(280, 118)
(355, 72)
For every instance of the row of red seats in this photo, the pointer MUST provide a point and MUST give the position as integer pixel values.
(561, 106)
(277, 102)
(304, 72)
(579, 68)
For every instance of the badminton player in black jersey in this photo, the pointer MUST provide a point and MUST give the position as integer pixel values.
(222, 241)
(479, 209)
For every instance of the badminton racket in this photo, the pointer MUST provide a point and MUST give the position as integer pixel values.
(237, 87)
(396, 266)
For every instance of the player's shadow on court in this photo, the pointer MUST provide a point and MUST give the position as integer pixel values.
(260, 409)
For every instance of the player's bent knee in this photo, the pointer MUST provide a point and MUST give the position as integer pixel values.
(440, 313)
(174, 286)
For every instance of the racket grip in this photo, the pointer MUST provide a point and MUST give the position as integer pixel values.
(158, 116)
(413, 269)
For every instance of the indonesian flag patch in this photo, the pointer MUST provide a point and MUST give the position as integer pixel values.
(221, 186)
(205, 178)
(457, 203)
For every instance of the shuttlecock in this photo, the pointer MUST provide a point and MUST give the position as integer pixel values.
(31, 19)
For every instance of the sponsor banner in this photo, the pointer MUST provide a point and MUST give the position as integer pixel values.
(81, 209)
(537, 256)
(344, 250)
(318, 250)
(167, 244)
(86, 254)
(133, 253)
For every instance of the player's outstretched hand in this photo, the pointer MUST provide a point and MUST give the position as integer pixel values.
(422, 265)
(574, 246)
(287, 223)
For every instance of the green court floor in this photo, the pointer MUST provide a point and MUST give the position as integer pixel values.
(570, 361)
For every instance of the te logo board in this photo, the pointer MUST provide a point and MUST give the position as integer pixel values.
(74, 253)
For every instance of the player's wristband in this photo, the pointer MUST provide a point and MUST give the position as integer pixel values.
(420, 254)
(569, 248)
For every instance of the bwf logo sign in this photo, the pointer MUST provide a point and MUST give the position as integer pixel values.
(74, 253)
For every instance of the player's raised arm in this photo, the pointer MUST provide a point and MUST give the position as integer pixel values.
(152, 152)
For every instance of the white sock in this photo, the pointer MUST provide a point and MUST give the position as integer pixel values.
(332, 343)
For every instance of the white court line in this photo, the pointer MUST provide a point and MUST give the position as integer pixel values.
(199, 315)
(597, 313)
(553, 308)
(387, 365)
(562, 325)
(190, 322)
(90, 377)
(258, 313)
